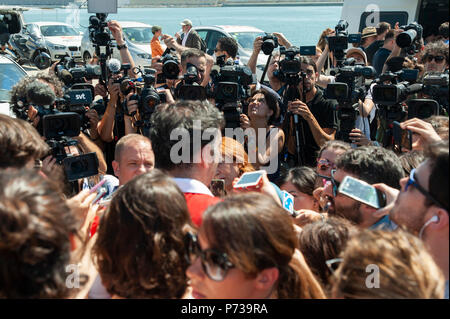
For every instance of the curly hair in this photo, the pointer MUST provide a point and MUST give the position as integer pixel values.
(19, 92)
(263, 236)
(406, 269)
(140, 250)
(35, 229)
(437, 47)
(20, 143)
(372, 164)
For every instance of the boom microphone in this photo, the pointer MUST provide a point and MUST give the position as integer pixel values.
(39, 93)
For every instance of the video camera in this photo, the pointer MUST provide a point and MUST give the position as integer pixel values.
(58, 130)
(190, 89)
(339, 42)
(409, 39)
(270, 42)
(290, 66)
(101, 40)
(348, 90)
(71, 71)
(231, 86)
(435, 85)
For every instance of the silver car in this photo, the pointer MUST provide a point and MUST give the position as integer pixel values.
(61, 39)
(10, 74)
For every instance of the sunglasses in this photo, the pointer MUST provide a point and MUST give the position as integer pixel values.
(324, 164)
(333, 264)
(437, 58)
(331, 179)
(413, 181)
(215, 264)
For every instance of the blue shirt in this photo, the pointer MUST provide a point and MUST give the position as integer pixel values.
(379, 58)
(384, 224)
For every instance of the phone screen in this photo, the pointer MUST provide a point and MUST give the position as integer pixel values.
(360, 191)
(249, 178)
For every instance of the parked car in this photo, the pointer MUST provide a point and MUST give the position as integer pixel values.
(10, 74)
(244, 35)
(54, 38)
(137, 37)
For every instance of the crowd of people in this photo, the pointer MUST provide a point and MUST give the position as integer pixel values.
(162, 230)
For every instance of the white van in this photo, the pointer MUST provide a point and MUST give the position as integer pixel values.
(429, 13)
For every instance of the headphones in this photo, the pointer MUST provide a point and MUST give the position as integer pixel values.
(433, 219)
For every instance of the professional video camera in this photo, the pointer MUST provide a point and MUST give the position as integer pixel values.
(71, 71)
(409, 39)
(435, 85)
(101, 39)
(190, 89)
(231, 86)
(58, 129)
(270, 42)
(348, 90)
(9, 24)
(339, 42)
(171, 68)
(290, 66)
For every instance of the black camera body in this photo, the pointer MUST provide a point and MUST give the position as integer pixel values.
(270, 42)
(171, 68)
(98, 30)
(191, 89)
(409, 39)
(58, 130)
(435, 85)
(231, 86)
(290, 66)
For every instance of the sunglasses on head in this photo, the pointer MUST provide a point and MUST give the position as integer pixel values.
(323, 164)
(437, 58)
(215, 264)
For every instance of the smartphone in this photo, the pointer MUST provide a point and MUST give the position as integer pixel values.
(402, 138)
(217, 187)
(362, 192)
(97, 186)
(249, 179)
(101, 193)
(288, 203)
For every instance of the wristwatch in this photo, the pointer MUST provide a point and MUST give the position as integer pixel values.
(123, 46)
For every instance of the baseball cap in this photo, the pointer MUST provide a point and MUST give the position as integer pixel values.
(368, 32)
(186, 22)
(359, 51)
(156, 28)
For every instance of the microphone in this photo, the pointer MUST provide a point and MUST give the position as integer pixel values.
(39, 93)
(114, 65)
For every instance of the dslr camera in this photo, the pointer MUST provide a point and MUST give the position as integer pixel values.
(409, 39)
(270, 42)
(171, 68)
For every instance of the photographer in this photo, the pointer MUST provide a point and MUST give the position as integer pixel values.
(228, 47)
(318, 112)
(381, 55)
(435, 57)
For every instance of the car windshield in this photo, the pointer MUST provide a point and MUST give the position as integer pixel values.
(10, 74)
(246, 39)
(58, 31)
(138, 34)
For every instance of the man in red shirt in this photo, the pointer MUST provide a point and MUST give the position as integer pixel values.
(186, 138)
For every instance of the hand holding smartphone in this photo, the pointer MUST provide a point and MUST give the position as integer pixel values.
(249, 179)
(362, 192)
(402, 138)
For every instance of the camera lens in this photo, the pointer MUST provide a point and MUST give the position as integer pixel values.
(268, 46)
(171, 70)
(405, 39)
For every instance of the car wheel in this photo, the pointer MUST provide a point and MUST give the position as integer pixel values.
(87, 57)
